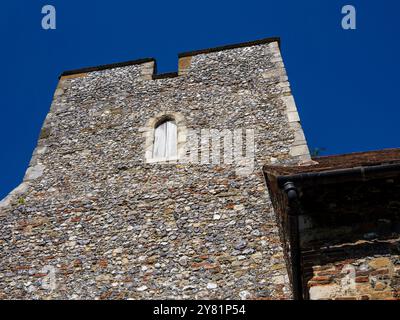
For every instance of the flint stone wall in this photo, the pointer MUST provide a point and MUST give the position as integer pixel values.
(115, 227)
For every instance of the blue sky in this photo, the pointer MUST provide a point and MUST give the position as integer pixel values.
(345, 82)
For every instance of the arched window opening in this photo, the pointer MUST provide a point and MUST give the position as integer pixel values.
(165, 140)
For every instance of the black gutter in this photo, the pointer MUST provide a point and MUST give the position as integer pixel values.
(362, 173)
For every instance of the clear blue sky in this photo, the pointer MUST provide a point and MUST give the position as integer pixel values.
(345, 83)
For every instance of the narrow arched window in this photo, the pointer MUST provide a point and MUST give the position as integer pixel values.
(165, 140)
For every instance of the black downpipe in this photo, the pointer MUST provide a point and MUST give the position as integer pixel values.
(294, 239)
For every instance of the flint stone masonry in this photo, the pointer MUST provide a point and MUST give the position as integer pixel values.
(116, 227)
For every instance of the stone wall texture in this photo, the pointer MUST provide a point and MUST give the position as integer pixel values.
(368, 278)
(109, 225)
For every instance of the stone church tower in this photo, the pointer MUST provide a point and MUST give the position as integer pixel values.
(101, 215)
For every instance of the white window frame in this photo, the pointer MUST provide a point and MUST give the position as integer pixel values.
(165, 141)
(148, 132)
